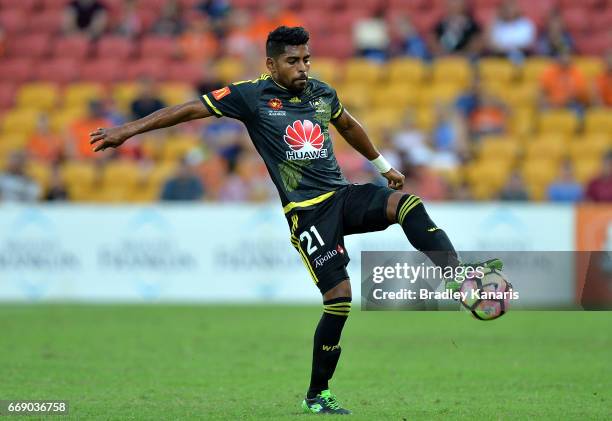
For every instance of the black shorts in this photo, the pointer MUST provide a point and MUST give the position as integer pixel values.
(317, 231)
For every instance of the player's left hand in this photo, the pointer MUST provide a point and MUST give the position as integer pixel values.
(395, 179)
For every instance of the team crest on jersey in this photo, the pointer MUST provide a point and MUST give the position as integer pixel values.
(220, 93)
(275, 103)
(305, 140)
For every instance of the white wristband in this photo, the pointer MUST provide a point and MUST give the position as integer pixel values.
(381, 164)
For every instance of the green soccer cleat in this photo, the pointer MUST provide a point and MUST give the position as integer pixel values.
(324, 403)
(455, 284)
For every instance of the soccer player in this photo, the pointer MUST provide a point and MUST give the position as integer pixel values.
(287, 115)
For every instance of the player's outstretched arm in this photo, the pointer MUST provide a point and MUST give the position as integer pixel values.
(113, 137)
(355, 135)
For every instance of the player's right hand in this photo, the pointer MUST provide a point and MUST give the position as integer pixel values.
(102, 139)
(394, 178)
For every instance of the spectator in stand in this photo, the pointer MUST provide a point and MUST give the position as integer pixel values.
(198, 43)
(78, 145)
(405, 40)
(217, 11)
(600, 188)
(448, 138)
(44, 145)
(131, 24)
(515, 189)
(170, 23)
(603, 83)
(15, 185)
(457, 32)
(273, 16)
(57, 188)
(555, 39)
(563, 85)
(565, 188)
(371, 37)
(511, 34)
(85, 16)
(238, 41)
(185, 185)
(489, 116)
(147, 101)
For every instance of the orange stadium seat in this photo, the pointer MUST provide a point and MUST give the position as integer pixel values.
(54, 4)
(452, 70)
(154, 68)
(539, 171)
(406, 70)
(533, 68)
(598, 120)
(80, 94)
(398, 95)
(362, 71)
(590, 66)
(586, 169)
(174, 93)
(498, 147)
(38, 95)
(496, 70)
(353, 96)
(63, 118)
(558, 121)
(19, 121)
(589, 147)
(543, 150)
(23, 5)
(40, 172)
(230, 70)
(325, 69)
(176, 147)
(187, 72)
(125, 171)
(522, 121)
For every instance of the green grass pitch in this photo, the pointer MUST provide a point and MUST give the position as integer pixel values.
(252, 362)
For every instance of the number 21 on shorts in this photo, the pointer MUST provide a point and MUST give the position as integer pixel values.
(310, 247)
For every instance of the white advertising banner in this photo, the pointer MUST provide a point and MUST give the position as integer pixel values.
(218, 253)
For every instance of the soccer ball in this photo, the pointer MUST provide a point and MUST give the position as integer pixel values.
(487, 298)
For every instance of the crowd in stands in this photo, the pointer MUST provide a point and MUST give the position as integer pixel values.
(471, 135)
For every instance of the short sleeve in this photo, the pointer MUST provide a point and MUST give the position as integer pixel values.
(229, 101)
(336, 106)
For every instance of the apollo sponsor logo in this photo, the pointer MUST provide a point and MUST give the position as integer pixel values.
(305, 140)
(321, 260)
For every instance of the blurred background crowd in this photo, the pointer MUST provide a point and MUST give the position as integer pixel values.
(472, 100)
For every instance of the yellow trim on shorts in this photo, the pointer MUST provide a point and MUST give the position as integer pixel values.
(305, 203)
(296, 244)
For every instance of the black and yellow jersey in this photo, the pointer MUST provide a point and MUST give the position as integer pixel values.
(290, 132)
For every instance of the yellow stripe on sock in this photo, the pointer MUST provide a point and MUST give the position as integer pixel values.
(343, 304)
(406, 205)
(409, 209)
(347, 309)
(335, 313)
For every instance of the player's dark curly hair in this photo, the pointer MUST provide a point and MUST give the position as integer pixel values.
(283, 36)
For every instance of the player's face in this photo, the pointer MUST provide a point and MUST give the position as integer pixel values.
(291, 68)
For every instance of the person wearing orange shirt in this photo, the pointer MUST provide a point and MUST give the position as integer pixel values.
(199, 43)
(563, 85)
(81, 128)
(272, 17)
(603, 83)
(44, 145)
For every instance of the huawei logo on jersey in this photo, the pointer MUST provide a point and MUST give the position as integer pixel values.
(305, 140)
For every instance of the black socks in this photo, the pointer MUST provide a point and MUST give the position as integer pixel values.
(326, 350)
(423, 233)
